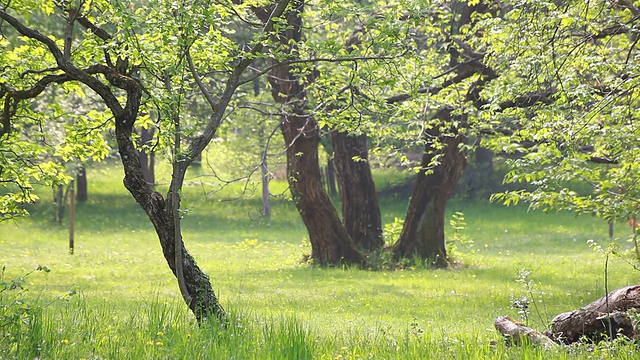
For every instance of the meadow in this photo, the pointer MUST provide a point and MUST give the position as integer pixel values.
(126, 303)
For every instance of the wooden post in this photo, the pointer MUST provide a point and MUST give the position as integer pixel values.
(72, 216)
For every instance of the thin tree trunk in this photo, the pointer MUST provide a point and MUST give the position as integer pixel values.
(331, 177)
(147, 157)
(265, 175)
(81, 181)
(423, 231)
(266, 203)
(58, 204)
(360, 209)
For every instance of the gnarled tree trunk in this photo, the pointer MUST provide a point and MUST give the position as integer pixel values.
(330, 242)
(423, 231)
(204, 301)
(360, 209)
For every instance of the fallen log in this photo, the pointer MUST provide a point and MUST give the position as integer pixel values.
(605, 318)
(516, 333)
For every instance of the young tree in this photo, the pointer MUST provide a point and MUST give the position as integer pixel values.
(124, 52)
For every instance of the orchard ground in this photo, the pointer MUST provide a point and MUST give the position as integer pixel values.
(127, 303)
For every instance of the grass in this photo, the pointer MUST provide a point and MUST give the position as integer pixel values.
(128, 304)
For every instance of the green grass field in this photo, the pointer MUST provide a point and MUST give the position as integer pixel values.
(128, 304)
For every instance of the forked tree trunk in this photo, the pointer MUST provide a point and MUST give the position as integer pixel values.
(330, 242)
(360, 209)
(205, 303)
(423, 231)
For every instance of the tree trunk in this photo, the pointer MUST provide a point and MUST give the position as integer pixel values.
(81, 181)
(330, 242)
(204, 301)
(147, 157)
(264, 172)
(360, 209)
(423, 231)
(517, 333)
(331, 177)
(58, 204)
(479, 178)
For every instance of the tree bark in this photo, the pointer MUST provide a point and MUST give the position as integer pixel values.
(147, 157)
(330, 242)
(360, 209)
(592, 322)
(423, 231)
(605, 318)
(81, 181)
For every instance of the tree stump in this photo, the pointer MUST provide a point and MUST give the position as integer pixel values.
(605, 318)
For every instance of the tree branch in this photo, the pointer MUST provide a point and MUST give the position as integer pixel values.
(101, 89)
(232, 84)
(68, 34)
(315, 60)
(629, 5)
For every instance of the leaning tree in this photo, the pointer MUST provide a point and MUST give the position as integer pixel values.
(138, 58)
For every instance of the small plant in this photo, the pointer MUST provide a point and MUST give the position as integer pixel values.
(529, 302)
(392, 231)
(459, 238)
(21, 319)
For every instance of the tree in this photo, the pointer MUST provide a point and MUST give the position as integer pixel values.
(444, 73)
(441, 129)
(335, 242)
(330, 243)
(123, 52)
(578, 150)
